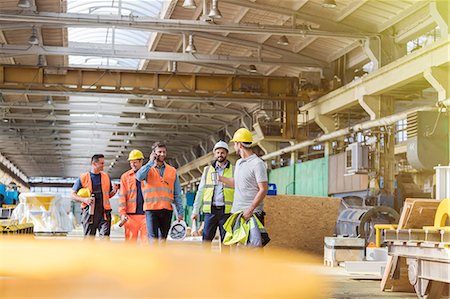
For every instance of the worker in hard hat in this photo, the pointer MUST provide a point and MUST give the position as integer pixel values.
(213, 197)
(250, 178)
(131, 200)
(162, 189)
(99, 184)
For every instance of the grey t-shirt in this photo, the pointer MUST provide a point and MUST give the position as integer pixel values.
(247, 174)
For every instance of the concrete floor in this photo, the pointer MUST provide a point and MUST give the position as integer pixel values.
(346, 286)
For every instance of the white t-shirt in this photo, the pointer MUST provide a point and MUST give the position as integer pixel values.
(247, 174)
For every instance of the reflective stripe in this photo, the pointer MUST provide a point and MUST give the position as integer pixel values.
(209, 186)
(160, 189)
(122, 205)
(158, 199)
(131, 200)
(228, 202)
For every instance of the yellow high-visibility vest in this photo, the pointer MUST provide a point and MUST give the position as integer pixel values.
(208, 191)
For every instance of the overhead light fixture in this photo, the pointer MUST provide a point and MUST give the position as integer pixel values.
(190, 47)
(190, 4)
(283, 41)
(214, 13)
(151, 104)
(252, 68)
(24, 3)
(33, 40)
(329, 3)
(142, 115)
(174, 66)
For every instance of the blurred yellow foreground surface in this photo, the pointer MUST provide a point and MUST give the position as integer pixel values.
(101, 269)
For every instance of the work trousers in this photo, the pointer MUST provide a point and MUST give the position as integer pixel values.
(158, 223)
(136, 225)
(216, 218)
(100, 222)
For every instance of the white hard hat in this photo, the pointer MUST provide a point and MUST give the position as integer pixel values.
(221, 144)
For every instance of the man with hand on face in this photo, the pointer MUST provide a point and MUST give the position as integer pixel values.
(250, 178)
(131, 200)
(99, 184)
(215, 198)
(162, 188)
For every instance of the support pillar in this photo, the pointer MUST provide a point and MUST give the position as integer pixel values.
(371, 104)
(327, 125)
(291, 117)
(385, 164)
(438, 78)
(383, 50)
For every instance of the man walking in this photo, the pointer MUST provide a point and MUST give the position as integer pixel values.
(99, 184)
(162, 188)
(215, 198)
(131, 200)
(250, 178)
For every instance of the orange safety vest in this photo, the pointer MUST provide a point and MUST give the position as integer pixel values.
(128, 192)
(86, 182)
(158, 192)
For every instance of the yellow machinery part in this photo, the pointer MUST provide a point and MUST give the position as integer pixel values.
(442, 214)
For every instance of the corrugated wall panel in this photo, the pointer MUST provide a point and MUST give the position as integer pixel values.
(311, 178)
(284, 179)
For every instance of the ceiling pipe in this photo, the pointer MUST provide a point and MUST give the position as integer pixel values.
(385, 121)
(166, 26)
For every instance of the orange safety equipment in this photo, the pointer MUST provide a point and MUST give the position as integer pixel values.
(128, 193)
(86, 182)
(158, 192)
(242, 135)
(134, 225)
(135, 155)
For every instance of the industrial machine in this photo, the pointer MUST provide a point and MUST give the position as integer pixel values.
(356, 158)
(357, 219)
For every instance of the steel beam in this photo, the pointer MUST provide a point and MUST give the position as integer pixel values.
(140, 52)
(119, 109)
(177, 26)
(106, 119)
(141, 83)
(394, 75)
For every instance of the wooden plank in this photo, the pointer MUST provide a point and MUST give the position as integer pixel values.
(300, 222)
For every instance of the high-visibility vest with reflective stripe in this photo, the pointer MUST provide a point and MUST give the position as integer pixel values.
(208, 191)
(86, 182)
(128, 193)
(158, 192)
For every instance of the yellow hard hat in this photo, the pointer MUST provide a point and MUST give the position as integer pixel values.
(135, 155)
(242, 135)
(84, 192)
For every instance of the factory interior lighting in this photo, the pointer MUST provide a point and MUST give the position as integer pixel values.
(283, 41)
(252, 68)
(214, 13)
(33, 40)
(189, 4)
(24, 3)
(190, 47)
(329, 3)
